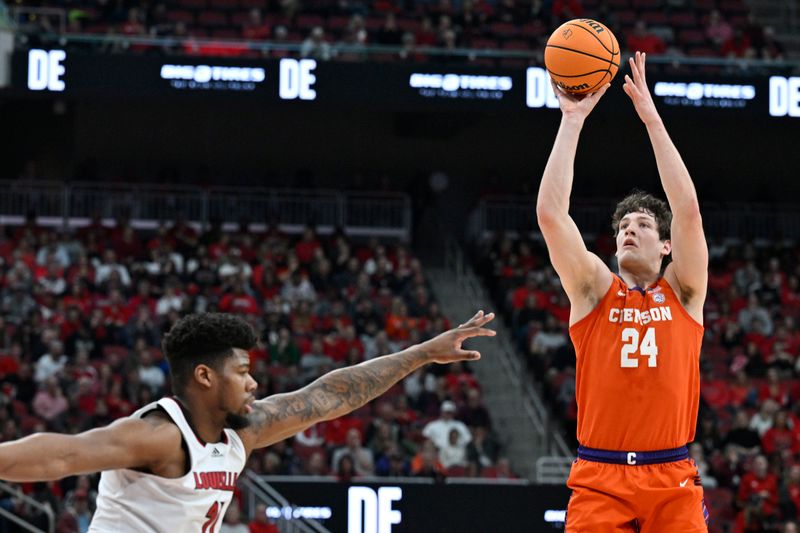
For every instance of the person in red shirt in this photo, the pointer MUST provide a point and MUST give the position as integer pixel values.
(255, 29)
(238, 301)
(714, 391)
(774, 389)
(759, 483)
(143, 297)
(133, 26)
(780, 439)
(531, 287)
(643, 41)
(307, 246)
(737, 46)
(793, 487)
(567, 9)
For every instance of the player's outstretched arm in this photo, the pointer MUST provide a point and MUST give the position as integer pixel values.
(346, 389)
(689, 249)
(582, 273)
(127, 443)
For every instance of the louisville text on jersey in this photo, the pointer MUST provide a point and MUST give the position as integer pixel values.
(215, 480)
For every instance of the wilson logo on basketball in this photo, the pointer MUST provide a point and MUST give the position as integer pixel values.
(596, 26)
(572, 87)
(566, 34)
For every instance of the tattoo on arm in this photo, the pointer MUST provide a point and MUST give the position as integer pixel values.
(338, 392)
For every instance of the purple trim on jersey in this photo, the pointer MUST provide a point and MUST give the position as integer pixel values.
(633, 458)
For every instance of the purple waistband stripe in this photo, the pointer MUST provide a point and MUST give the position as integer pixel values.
(633, 458)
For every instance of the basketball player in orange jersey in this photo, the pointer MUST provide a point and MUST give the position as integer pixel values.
(172, 466)
(637, 336)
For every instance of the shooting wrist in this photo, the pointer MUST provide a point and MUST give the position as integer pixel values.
(573, 120)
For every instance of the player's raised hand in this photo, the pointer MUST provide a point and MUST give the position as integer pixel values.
(446, 347)
(578, 105)
(636, 89)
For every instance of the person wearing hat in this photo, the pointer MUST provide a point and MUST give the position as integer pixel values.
(438, 431)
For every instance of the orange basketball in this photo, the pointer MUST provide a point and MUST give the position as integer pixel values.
(581, 56)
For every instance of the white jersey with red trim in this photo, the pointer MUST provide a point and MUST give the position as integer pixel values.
(132, 501)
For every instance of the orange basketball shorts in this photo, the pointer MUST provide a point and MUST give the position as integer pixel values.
(632, 498)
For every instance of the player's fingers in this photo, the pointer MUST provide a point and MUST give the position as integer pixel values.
(642, 69)
(471, 321)
(485, 319)
(628, 85)
(634, 68)
(469, 355)
(466, 333)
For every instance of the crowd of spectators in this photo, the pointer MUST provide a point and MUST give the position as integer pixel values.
(82, 314)
(747, 445)
(342, 29)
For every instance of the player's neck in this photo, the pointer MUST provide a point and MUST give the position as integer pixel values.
(201, 418)
(641, 279)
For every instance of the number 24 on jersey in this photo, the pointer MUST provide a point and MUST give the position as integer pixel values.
(633, 348)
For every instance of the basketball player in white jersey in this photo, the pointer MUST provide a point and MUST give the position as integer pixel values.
(172, 466)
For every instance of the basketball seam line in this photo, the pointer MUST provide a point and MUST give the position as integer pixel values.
(579, 75)
(604, 60)
(612, 52)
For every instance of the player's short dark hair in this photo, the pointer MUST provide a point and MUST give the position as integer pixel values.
(204, 339)
(639, 201)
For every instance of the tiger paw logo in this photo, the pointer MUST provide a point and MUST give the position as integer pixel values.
(566, 34)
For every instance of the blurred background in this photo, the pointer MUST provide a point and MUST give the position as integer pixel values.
(356, 176)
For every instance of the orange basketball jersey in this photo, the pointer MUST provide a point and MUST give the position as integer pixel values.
(637, 374)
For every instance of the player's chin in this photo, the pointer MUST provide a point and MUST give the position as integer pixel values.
(237, 420)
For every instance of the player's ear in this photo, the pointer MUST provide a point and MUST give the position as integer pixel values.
(666, 247)
(204, 376)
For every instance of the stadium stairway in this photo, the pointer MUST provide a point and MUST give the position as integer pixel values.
(519, 417)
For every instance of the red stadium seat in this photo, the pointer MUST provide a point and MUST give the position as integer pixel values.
(456, 471)
(337, 23)
(406, 24)
(240, 18)
(692, 38)
(683, 19)
(307, 22)
(98, 27)
(212, 19)
(516, 44)
(534, 29)
(503, 29)
(627, 17)
(226, 33)
(702, 51)
(655, 18)
(180, 15)
(489, 44)
(374, 23)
